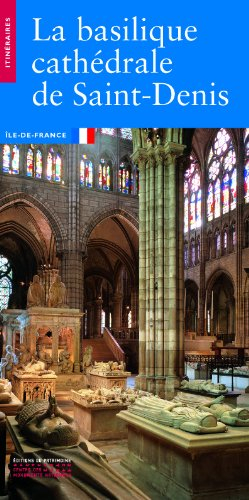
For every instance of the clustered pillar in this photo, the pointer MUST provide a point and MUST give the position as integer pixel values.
(161, 279)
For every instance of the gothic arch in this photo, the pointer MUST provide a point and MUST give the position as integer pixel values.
(100, 216)
(43, 207)
(213, 278)
(191, 306)
(220, 306)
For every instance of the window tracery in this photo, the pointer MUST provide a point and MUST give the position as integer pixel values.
(104, 175)
(222, 176)
(5, 282)
(246, 168)
(10, 159)
(86, 172)
(125, 179)
(192, 195)
(54, 166)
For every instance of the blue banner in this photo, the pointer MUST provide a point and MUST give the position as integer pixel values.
(124, 64)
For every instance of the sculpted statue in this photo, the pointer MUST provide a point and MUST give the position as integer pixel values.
(203, 386)
(57, 294)
(175, 415)
(24, 357)
(5, 391)
(87, 357)
(45, 357)
(44, 423)
(65, 363)
(36, 293)
(7, 363)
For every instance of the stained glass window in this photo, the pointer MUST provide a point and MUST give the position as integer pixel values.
(210, 202)
(49, 166)
(198, 248)
(15, 160)
(193, 252)
(108, 131)
(124, 178)
(5, 282)
(86, 172)
(30, 163)
(192, 196)
(225, 240)
(186, 254)
(126, 133)
(218, 243)
(57, 174)
(225, 194)
(38, 164)
(10, 159)
(6, 159)
(246, 169)
(222, 176)
(233, 235)
(104, 177)
(54, 168)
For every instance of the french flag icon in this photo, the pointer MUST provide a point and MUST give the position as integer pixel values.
(83, 135)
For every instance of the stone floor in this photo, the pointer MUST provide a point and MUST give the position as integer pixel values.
(116, 450)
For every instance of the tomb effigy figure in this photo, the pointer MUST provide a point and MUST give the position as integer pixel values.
(222, 411)
(176, 415)
(57, 294)
(203, 386)
(35, 367)
(103, 396)
(65, 363)
(44, 423)
(111, 367)
(5, 391)
(226, 413)
(36, 293)
(236, 370)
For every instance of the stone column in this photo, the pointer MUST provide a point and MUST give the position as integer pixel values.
(161, 281)
(55, 345)
(73, 258)
(97, 317)
(117, 311)
(240, 339)
(77, 352)
(244, 340)
(90, 313)
(134, 308)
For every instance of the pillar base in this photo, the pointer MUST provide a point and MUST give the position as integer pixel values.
(141, 383)
(164, 387)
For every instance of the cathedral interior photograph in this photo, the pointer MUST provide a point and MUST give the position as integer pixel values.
(124, 316)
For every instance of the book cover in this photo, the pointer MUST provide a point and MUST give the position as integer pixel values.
(123, 236)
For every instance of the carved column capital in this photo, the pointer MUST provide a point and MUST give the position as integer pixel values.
(140, 157)
(173, 151)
